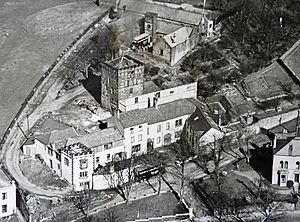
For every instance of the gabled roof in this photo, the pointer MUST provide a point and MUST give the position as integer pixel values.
(179, 36)
(200, 121)
(97, 138)
(56, 136)
(291, 59)
(164, 112)
(167, 27)
(172, 14)
(268, 82)
(283, 148)
(289, 126)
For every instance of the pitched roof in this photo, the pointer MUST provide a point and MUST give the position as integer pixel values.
(179, 36)
(284, 148)
(166, 27)
(153, 115)
(173, 14)
(290, 126)
(267, 83)
(291, 58)
(200, 121)
(97, 138)
(57, 136)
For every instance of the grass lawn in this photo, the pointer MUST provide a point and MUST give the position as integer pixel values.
(154, 206)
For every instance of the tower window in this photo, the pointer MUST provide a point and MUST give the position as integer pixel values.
(131, 90)
(161, 52)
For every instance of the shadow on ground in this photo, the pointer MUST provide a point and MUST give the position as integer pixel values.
(93, 85)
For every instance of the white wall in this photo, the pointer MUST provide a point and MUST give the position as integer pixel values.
(136, 132)
(179, 92)
(76, 170)
(66, 171)
(103, 155)
(10, 200)
(211, 136)
(101, 182)
(289, 172)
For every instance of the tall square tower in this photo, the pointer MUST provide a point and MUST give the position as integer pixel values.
(121, 78)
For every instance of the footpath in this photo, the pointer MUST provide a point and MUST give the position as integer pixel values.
(41, 100)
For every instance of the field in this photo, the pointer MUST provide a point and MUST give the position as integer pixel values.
(32, 35)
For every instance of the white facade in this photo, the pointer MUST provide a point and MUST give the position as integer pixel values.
(8, 196)
(286, 164)
(67, 163)
(141, 139)
(165, 96)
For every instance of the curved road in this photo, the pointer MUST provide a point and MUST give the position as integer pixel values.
(15, 138)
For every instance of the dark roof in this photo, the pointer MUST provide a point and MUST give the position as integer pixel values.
(153, 115)
(280, 144)
(291, 59)
(200, 121)
(165, 12)
(268, 82)
(290, 126)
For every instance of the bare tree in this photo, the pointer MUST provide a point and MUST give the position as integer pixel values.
(110, 215)
(82, 201)
(182, 153)
(158, 161)
(120, 176)
(263, 198)
(210, 158)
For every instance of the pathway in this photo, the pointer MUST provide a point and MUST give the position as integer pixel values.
(49, 103)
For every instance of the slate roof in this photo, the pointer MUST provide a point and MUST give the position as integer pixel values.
(267, 82)
(97, 138)
(153, 115)
(284, 148)
(57, 136)
(200, 121)
(165, 27)
(179, 15)
(292, 57)
(179, 36)
(290, 126)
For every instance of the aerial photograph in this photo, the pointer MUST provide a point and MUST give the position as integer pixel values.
(150, 110)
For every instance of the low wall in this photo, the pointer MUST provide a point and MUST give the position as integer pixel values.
(42, 79)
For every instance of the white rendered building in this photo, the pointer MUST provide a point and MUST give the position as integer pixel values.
(8, 196)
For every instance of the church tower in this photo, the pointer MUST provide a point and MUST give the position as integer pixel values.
(150, 24)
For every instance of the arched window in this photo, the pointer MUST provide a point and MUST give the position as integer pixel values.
(281, 164)
(286, 164)
(298, 165)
